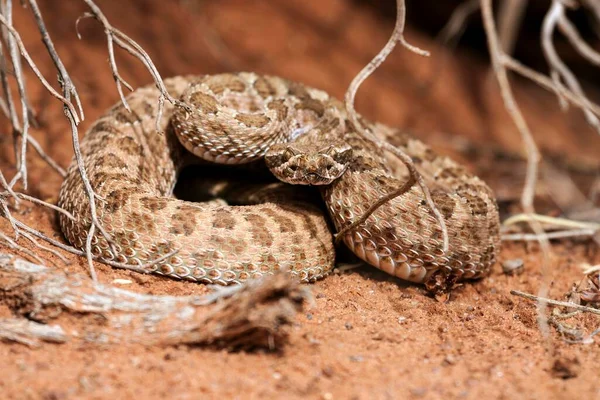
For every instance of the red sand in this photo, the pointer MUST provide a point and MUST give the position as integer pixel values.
(367, 335)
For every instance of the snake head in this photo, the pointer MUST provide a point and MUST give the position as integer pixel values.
(308, 163)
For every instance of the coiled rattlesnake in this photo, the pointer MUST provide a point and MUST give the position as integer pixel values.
(237, 118)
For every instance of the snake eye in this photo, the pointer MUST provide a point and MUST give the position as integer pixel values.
(341, 154)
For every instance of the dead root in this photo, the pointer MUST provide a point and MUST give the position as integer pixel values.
(249, 317)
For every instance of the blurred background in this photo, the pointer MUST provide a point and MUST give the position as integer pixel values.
(449, 99)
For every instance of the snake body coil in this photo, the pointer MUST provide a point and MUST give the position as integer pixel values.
(238, 118)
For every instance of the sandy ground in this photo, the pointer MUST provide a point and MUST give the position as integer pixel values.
(367, 335)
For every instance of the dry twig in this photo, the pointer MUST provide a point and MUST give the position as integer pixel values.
(244, 317)
(566, 304)
(73, 114)
(533, 157)
(397, 36)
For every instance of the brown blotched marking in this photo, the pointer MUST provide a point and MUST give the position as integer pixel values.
(311, 104)
(219, 84)
(105, 138)
(123, 116)
(253, 120)
(130, 145)
(104, 126)
(263, 87)
(363, 164)
(477, 204)
(308, 225)
(238, 246)
(112, 161)
(154, 203)
(430, 155)
(279, 107)
(187, 208)
(162, 248)
(330, 125)
(131, 183)
(115, 200)
(146, 173)
(141, 223)
(285, 224)
(443, 202)
(455, 172)
(148, 107)
(223, 219)
(100, 178)
(297, 90)
(259, 231)
(464, 188)
(204, 102)
(183, 222)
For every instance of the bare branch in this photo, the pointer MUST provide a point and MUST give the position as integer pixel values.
(533, 155)
(15, 246)
(250, 316)
(555, 302)
(454, 28)
(6, 11)
(557, 67)
(550, 235)
(30, 333)
(511, 17)
(570, 31)
(397, 36)
(547, 83)
(64, 77)
(128, 44)
(36, 71)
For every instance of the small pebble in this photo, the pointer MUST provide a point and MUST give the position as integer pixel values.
(513, 267)
(348, 325)
(418, 392)
(328, 372)
(449, 360)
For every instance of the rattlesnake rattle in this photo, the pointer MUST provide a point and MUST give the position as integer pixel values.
(306, 138)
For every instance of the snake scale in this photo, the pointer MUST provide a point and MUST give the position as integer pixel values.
(305, 137)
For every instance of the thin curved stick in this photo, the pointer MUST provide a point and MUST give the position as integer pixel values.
(550, 235)
(557, 67)
(64, 77)
(397, 36)
(16, 63)
(533, 155)
(398, 192)
(113, 35)
(36, 71)
(566, 223)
